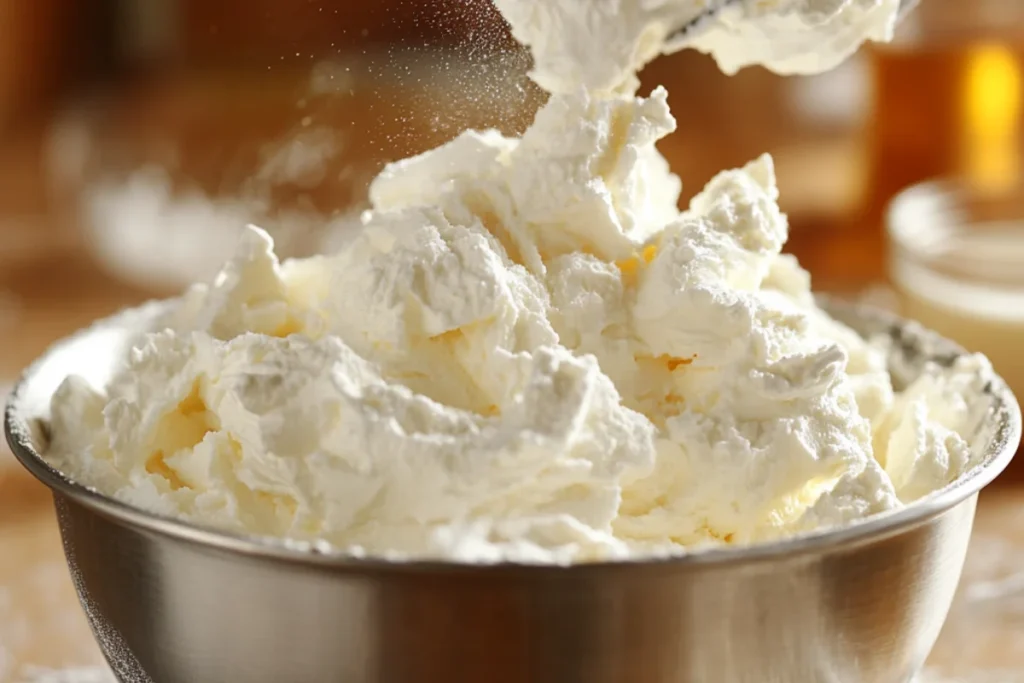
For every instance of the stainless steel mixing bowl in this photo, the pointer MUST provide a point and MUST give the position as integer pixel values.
(171, 602)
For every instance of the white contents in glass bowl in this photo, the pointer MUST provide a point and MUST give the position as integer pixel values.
(527, 353)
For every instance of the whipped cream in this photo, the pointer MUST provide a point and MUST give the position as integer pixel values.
(601, 44)
(530, 353)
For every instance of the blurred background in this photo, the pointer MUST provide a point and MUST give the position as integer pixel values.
(138, 136)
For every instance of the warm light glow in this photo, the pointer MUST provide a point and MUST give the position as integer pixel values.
(992, 105)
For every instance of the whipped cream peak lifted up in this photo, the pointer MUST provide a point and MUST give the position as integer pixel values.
(530, 353)
(601, 44)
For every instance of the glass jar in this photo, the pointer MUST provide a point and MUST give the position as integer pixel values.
(947, 102)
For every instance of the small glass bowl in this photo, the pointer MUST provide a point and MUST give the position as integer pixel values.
(956, 259)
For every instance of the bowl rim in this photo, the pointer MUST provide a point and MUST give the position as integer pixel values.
(998, 453)
(943, 197)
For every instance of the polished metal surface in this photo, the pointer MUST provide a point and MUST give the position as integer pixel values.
(174, 603)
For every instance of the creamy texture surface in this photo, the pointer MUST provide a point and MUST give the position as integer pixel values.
(530, 353)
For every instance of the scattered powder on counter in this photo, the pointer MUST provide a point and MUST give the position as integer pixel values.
(38, 612)
(981, 676)
(34, 674)
(102, 675)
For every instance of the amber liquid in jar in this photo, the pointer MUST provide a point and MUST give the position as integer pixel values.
(947, 102)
